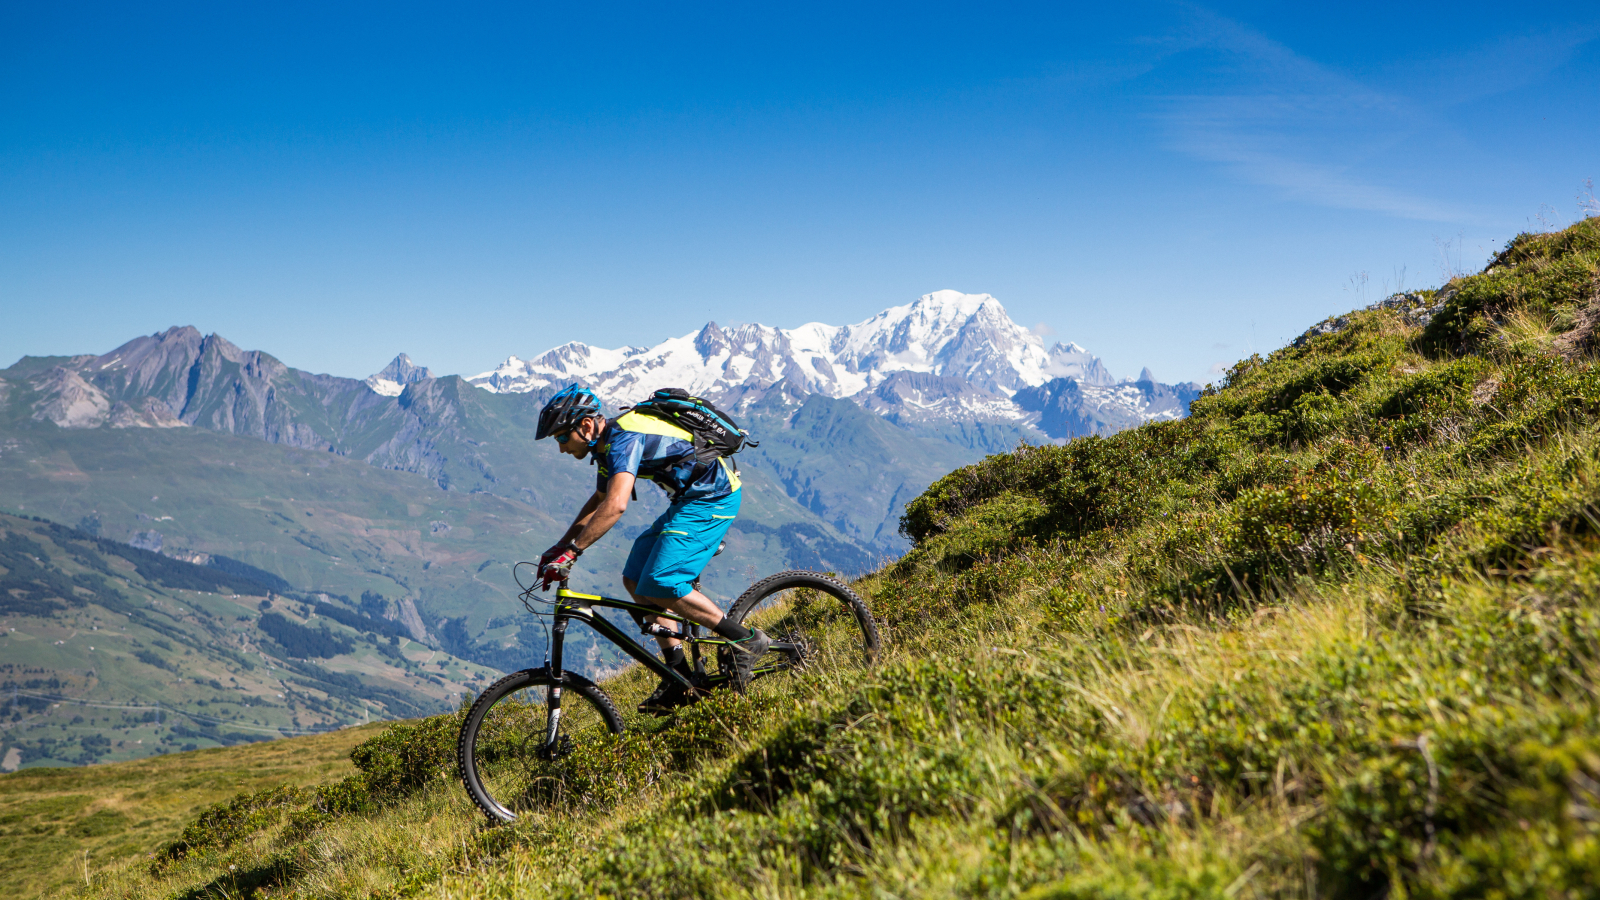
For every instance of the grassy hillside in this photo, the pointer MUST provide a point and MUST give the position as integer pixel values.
(1334, 635)
(111, 653)
(55, 822)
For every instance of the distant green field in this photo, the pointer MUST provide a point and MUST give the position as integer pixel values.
(59, 825)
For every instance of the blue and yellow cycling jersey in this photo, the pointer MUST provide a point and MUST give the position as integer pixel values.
(649, 448)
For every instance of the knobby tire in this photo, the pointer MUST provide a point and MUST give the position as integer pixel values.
(497, 750)
(803, 605)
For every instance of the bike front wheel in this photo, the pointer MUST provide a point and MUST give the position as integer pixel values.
(812, 619)
(511, 753)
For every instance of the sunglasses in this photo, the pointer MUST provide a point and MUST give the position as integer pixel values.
(564, 436)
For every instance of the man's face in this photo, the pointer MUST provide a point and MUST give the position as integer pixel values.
(577, 443)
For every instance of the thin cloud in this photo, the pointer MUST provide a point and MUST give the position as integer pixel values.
(1310, 132)
(1324, 184)
(1501, 65)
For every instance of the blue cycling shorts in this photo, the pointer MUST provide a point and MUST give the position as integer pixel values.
(672, 552)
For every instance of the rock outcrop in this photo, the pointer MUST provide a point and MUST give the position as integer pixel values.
(69, 400)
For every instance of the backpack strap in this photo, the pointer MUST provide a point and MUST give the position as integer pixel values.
(643, 423)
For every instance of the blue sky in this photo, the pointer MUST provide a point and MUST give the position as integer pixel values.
(1168, 184)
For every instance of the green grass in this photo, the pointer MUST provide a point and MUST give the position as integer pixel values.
(58, 824)
(1334, 635)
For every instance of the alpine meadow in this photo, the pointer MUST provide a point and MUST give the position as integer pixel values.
(1333, 634)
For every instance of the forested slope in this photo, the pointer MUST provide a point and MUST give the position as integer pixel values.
(1332, 635)
(110, 653)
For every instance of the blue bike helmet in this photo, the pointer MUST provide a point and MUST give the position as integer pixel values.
(565, 410)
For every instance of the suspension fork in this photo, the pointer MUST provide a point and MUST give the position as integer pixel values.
(558, 634)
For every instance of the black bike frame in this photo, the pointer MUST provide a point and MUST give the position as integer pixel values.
(572, 605)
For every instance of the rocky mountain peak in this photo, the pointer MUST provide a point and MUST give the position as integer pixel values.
(1072, 361)
(144, 361)
(221, 346)
(185, 334)
(403, 370)
(394, 377)
(977, 356)
(710, 341)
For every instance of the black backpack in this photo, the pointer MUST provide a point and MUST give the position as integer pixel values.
(715, 434)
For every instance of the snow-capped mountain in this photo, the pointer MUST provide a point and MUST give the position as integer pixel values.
(947, 355)
(392, 381)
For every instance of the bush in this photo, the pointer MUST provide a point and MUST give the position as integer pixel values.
(406, 756)
(1340, 502)
(224, 824)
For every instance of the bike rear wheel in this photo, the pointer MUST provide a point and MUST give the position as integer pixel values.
(813, 620)
(502, 748)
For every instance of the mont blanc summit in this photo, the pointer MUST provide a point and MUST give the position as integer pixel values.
(946, 355)
(967, 336)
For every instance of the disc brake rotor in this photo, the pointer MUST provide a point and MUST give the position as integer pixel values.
(561, 750)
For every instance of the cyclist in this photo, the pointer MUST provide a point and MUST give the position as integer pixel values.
(669, 556)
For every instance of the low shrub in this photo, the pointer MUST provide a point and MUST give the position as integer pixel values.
(408, 755)
(224, 824)
(1341, 502)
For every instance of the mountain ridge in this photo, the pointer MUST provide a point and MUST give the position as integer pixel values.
(967, 341)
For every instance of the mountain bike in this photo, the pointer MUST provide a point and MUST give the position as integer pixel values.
(521, 728)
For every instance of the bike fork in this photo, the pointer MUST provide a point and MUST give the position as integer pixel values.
(558, 633)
